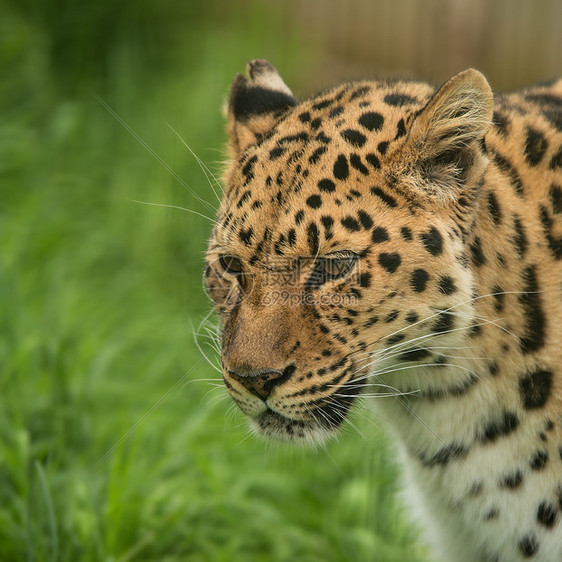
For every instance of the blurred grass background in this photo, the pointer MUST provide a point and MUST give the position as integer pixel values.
(115, 444)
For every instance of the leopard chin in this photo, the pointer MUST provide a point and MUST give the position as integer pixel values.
(277, 427)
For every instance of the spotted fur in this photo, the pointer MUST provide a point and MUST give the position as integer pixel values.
(403, 242)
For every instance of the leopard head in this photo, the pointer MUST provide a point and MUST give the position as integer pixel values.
(338, 258)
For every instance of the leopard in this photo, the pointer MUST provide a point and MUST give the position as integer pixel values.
(402, 242)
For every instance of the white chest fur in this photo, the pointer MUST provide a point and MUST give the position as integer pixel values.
(477, 478)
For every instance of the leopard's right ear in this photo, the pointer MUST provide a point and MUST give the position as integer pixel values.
(256, 104)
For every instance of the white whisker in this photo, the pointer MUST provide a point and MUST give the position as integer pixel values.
(153, 153)
(173, 207)
(203, 167)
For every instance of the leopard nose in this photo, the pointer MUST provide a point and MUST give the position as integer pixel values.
(259, 382)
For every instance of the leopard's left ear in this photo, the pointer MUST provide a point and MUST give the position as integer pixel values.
(256, 104)
(449, 131)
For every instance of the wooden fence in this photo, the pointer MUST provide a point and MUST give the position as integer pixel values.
(514, 42)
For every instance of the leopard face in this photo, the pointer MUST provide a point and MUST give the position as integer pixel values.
(338, 262)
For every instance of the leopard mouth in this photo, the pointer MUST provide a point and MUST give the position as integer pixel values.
(309, 416)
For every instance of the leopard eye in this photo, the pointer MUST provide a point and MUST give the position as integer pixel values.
(337, 265)
(230, 264)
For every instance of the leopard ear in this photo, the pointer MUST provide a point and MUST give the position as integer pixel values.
(449, 131)
(256, 104)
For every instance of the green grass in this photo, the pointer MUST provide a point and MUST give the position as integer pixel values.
(114, 445)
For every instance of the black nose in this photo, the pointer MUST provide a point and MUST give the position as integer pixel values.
(259, 382)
